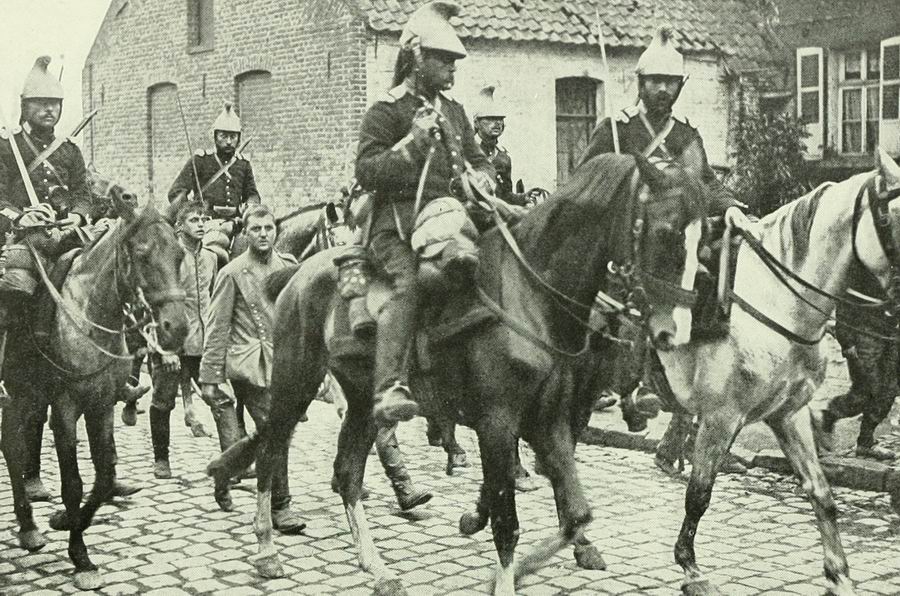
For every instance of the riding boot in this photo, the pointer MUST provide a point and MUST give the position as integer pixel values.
(392, 400)
(5, 398)
(408, 496)
(229, 434)
(159, 434)
(672, 445)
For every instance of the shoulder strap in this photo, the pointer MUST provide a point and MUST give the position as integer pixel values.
(657, 137)
(45, 154)
(225, 167)
(40, 158)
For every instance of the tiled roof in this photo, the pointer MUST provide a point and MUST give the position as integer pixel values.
(732, 27)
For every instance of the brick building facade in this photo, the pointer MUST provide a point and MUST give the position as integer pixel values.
(302, 74)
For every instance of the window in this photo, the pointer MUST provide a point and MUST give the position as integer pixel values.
(576, 117)
(200, 24)
(859, 100)
(810, 98)
(253, 93)
(889, 86)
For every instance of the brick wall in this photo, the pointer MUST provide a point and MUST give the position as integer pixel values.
(302, 148)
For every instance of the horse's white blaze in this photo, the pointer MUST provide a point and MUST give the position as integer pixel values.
(369, 558)
(681, 315)
(505, 580)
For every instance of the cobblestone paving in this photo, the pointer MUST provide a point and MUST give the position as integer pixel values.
(758, 536)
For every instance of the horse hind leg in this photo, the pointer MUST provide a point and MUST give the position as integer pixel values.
(14, 413)
(795, 435)
(714, 438)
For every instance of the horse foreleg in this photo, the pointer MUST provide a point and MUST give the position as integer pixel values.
(714, 438)
(354, 442)
(555, 450)
(30, 538)
(795, 435)
(266, 560)
(498, 447)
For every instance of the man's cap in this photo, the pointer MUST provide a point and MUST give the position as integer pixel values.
(228, 120)
(40, 83)
(487, 105)
(430, 28)
(661, 57)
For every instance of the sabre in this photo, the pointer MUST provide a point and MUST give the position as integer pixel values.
(187, 135)
(606, 92)
(7, 132)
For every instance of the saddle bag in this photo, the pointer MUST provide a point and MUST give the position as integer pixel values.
(444, 239)
(218, 240)
(18, 271)
(354, 277)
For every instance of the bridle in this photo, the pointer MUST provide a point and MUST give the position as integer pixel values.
(136, 310)
(642, 287)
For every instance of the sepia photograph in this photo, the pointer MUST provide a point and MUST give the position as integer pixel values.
(450, 297)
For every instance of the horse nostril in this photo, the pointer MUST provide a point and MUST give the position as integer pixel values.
(166, 326)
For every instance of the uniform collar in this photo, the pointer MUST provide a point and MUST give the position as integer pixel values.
(401, 90)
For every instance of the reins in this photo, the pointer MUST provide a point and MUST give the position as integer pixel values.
(785, 275)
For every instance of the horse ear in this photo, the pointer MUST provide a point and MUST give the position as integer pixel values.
(651, 176)
(888, 168)
(331, 214)
(124, 202)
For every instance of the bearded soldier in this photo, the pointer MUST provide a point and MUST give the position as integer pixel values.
(222, 178)
(57, 175)
(490, 124)
(652, 129)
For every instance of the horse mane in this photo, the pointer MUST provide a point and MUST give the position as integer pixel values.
(585, 197)
(792, 223)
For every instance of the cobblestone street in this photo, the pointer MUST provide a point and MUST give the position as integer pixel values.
(758, 536)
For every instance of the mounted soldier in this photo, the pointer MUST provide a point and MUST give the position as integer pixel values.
(414, 142)
(45, 200)
(652, 129)
(222, 179)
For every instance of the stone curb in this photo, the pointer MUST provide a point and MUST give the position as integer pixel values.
(848, 472)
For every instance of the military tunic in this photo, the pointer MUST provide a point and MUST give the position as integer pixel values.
(234, 188)
(60, 180)
(634, 138)
(390, 163)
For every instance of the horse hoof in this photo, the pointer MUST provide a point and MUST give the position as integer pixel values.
(269, 566)
(471, 523)
(700, 587)
(390, 586)
(89, 580)
(32, 540)
(589, 557)
(59, 521)
(842, 587)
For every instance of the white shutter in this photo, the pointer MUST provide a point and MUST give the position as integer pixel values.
(810, 99)
(889, 90)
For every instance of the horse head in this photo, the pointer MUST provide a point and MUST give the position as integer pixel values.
(667, 233)
(148, 260)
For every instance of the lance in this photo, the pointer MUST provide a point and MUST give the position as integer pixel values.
(606, 85)
(187, 136)
(20, 163)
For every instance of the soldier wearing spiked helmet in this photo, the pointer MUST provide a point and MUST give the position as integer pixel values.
(222, 178)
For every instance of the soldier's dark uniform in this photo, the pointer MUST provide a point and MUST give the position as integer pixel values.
(60, 180)
(234, 188)
(502, 164)
(634, 138)
(873, 367)
(389, 163)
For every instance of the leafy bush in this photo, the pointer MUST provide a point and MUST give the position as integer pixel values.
(769, 170)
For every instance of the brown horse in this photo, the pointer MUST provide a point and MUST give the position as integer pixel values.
(84, 363)
(510, 380)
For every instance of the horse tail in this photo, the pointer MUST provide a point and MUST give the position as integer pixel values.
(276, 281)
(235, 459)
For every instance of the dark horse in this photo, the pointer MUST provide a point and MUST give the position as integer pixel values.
(83, 365)
(509, 380)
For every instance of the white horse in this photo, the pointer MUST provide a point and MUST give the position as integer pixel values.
(770, 364)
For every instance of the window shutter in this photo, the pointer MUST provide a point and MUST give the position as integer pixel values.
(889, 85)
(810, 99)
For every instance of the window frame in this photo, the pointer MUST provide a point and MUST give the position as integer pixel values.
(195, 27)
(814, 144)
(590, 118)
(866, 86)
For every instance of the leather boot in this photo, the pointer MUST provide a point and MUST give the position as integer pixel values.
(159, 434)
(396, 326)
(227, 426)
(408, 496)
